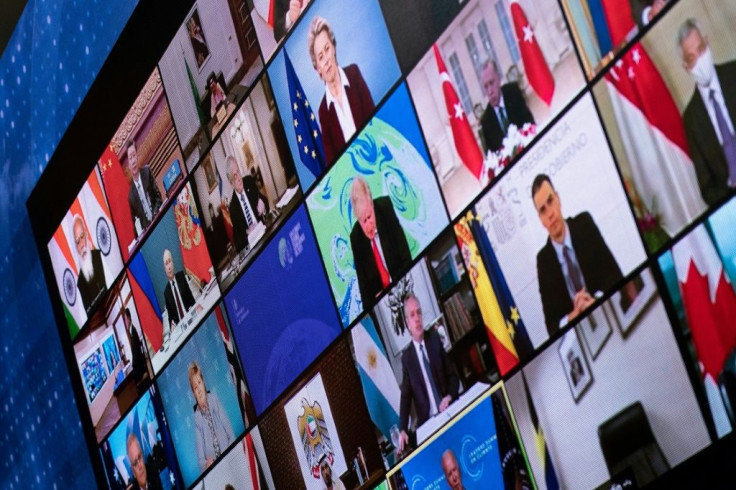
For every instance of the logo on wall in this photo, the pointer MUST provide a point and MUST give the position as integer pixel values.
(286, 254)
(315, 436)
(70, 287)
(104, 236)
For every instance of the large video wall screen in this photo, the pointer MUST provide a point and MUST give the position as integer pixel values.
(381, 244)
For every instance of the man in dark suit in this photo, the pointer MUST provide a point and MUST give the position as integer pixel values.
(347, 103)
(285, 14)
(380, 250)
(429, 381)
(506, 106)
(247, 205)
(145, 476)
(138, 357)
(177, 294)
(710, 114)
(575, 263)
(91, 277)
(144, 198)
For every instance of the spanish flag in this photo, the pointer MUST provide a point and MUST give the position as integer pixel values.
(498, 330)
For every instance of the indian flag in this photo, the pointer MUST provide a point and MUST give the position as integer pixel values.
(101, 232)
(65, 271)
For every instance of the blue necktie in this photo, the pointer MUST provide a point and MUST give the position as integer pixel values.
(573, 271)
(729, 141)
(429, 375)
(248, 217)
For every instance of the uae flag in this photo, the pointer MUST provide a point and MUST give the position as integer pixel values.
(191, 237)
(710, 305)
(535, 66)
(654, 140)
(117, 188)
(465, 143)
(61, 251)
(498, 332)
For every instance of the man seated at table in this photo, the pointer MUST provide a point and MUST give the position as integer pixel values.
(429, 380)
(248, 206)
(575, 264)
(177, 293)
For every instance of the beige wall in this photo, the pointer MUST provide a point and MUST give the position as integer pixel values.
(718, 19)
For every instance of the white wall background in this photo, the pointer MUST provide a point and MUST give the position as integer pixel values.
(645, 367)
(575, 155)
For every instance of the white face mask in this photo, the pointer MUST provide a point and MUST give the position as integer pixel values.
(704, 69)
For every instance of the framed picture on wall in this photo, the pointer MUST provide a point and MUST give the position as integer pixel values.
(197, 39)
(595, 329)
(628, 303)
(574, 365)
(209, 172)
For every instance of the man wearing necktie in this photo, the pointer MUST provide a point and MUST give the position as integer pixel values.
(506, 106)
(380, 250)
(177, 294)
(144, 198)
(575, 265)
(429, 381)
(248, 206)
(710, 114)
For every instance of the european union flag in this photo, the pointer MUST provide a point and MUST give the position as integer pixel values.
(506, 303)
(306, 129)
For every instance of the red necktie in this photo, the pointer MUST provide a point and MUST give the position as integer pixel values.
(385, 278)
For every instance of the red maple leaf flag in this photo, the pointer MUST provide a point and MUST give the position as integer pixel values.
(708, 298)
(465, 142)
(535, 66)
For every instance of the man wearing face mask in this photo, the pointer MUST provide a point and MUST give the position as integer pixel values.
(710, 114)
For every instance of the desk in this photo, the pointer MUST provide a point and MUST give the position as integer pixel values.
(434, 423)
(177, 336)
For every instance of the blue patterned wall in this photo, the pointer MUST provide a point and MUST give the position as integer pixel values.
(49, 64)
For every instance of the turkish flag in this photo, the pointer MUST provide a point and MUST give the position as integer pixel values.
(708, 298)
(537, 71)
(465, 142)
(117, 188)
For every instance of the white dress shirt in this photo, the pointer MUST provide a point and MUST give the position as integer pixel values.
(432, 404)
(344, 114)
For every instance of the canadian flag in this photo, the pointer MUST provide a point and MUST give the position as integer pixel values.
(535, 66)
(708, 297)
(654, 140)
(710, 304)
(465, 142)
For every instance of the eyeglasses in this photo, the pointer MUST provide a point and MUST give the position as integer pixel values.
(137, 461)
(80, 239)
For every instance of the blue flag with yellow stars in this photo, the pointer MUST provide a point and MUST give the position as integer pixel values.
(306, 129)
